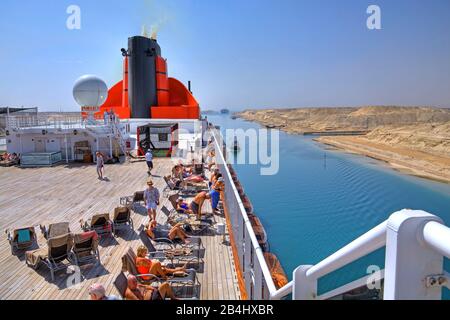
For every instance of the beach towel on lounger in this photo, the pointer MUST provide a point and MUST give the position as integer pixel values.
(34, 257)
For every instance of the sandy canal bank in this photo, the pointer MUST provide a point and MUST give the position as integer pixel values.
(413, 140)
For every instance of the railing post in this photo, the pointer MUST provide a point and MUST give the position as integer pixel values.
(303, 287)
(408, 261)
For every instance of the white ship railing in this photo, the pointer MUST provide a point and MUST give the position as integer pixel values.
(252, 264)
(43, 121)
(416, 243)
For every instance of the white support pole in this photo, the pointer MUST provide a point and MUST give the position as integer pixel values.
(408, 260)
(304, 287)
(110, 147)
(67, 148)
(20, 144)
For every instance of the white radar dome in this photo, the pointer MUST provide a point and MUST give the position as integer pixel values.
(90, 90)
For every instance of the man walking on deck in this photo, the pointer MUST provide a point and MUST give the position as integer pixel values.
(151, 200)
(149, 160)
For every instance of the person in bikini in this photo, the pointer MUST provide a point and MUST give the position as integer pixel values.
(136, 291)
(183, 207)
(145, 265)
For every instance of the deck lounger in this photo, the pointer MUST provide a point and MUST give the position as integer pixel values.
(85, 247)
(173, 201)
(132, 201)
(161, 243)
(21, 239)
(121, 284)
(191, 228)
(122, 219)
(170, 186)
(55, 230)
(176, 255)
(100, 223)
(129, 264)
(57, 256)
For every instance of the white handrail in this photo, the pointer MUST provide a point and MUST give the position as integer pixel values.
(365, 244)
(437, 236)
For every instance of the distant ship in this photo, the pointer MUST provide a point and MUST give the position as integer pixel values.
(236, 144)
(224, 111)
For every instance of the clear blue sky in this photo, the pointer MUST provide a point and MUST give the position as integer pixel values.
(238, 53)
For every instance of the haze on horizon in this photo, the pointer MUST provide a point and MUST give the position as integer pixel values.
(238, 54)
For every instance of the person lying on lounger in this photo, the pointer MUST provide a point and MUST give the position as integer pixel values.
(211, 160)
(145, 265)
(182, 178)
(176, 232)
(136, 291)
(183, 207)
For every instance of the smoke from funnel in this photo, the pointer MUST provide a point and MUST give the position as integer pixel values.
(154, 33)
(144, 31)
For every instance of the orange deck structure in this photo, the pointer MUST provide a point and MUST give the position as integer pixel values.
(175, 101)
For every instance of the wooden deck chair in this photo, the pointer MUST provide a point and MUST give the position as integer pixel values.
(21, 239)
(85, 247)
(122, 219)
(100, 223)
(57, 256)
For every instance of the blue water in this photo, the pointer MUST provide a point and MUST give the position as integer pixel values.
(323, 199)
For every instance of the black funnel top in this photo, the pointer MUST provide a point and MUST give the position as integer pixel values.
(142, 92)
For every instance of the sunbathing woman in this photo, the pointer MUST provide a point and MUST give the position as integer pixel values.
(183, 207)
(176, 232)
(145, 265)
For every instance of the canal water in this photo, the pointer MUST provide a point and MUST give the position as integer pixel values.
(322, 199)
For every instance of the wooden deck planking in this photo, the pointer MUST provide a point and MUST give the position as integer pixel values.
(45, 195)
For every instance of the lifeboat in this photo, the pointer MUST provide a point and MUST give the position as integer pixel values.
(239, 188)
(247, 204)
(276, 270)
(260, 232)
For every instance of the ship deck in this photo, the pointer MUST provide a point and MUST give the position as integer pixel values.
(29, 197)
